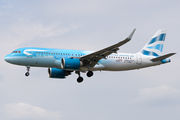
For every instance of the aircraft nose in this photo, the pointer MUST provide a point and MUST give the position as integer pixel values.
(8, 58)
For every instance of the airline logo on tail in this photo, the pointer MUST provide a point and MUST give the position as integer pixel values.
(155, 45)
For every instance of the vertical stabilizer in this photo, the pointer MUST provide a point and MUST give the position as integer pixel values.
(155, 46)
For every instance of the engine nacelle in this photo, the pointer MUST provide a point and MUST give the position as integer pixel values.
(58, 73)
(70, 63)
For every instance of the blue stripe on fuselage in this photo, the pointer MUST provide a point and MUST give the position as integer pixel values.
(48, 57)
(35, 56)
(40, 52)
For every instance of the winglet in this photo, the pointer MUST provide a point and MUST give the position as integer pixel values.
(130, 36)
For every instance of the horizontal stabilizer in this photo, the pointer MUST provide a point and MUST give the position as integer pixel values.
(162, 57)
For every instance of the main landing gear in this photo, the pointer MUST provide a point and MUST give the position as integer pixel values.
(89, 74)
(28, 69)
(80, 79)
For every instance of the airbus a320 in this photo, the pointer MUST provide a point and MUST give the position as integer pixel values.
(62, 62)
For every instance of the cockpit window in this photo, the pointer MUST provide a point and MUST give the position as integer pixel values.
(16, 52)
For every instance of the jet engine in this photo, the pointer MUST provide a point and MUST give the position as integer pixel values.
(58, 73)
(71, 63)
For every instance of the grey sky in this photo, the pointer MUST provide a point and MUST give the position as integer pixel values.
(150, 93)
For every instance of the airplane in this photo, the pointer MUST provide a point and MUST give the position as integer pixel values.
(62, 62)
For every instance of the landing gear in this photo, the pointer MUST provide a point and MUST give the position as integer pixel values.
(89, 73)
(28, 69)
(27, 74)
(79, 79)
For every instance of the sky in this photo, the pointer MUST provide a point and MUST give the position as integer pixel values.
(149, 93)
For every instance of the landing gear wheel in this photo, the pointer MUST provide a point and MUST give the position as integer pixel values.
(28, 69)
(27, 74)
(89, 73)
(80, 79)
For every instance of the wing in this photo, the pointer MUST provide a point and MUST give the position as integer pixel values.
(92, 58)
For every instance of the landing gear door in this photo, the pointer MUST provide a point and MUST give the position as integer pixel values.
(138, 59)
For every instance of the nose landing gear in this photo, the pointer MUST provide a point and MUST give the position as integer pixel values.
(28, 69)
(27, 74)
